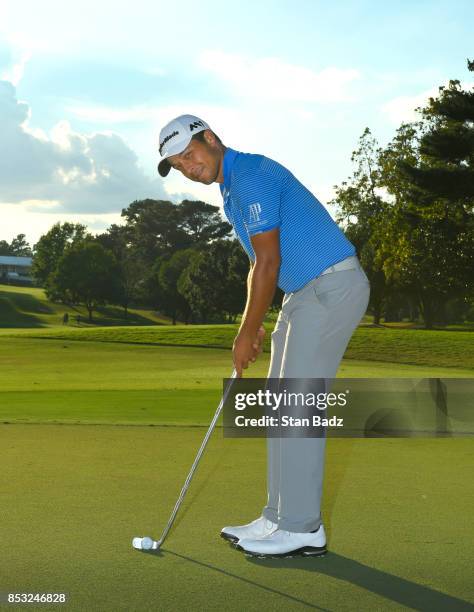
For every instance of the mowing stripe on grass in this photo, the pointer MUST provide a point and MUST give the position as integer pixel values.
(410, 346)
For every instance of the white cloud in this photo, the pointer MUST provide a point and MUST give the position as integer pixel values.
(271, 78)
(402, 108)
(233, 125)
(15, 71)
(99, 173)
(85, 173)
(34, 218)
(39, 205)
(105, 114)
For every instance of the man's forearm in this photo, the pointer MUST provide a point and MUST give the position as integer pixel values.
(249, 283)
(261, 285)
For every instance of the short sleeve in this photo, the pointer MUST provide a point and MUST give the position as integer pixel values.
(258, 194)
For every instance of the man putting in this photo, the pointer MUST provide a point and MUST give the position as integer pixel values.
(292, 242)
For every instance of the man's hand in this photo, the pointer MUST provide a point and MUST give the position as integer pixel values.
(246, 349)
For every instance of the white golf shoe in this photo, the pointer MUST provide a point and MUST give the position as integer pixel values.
(281, 543)
(256, 529)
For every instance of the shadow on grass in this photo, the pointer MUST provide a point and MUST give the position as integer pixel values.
(398, 590)
(289, 598)
(112, 315)
(20, 309)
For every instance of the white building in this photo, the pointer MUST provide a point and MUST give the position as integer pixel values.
(15, 269)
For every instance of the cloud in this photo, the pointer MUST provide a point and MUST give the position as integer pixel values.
(271, 78)
(15, 52)
(106, 114)
(85, 173)
(402, 108)
(292, 136)
(34, 219)
(15, 71)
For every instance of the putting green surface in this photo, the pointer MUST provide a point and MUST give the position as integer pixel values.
(74, 496)
(82, 473)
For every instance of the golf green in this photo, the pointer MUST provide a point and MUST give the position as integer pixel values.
(83, 472)
(74, 497)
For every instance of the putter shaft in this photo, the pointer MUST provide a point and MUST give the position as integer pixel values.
(196, 462)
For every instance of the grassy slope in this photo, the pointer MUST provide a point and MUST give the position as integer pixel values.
(27, 312)
(23, 307)
(417, 347)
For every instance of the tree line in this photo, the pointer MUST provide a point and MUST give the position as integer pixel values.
(18, 247)
(408, 209)
(176, 258)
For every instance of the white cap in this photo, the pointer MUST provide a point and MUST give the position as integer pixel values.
(175, 137)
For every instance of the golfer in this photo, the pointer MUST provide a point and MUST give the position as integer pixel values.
(291, 241)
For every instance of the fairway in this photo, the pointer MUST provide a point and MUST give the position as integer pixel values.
(114, 382)
(75, 497)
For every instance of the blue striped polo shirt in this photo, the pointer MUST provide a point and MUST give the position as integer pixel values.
(259, 195)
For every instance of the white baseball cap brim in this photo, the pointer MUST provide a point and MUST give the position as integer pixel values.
(164, 166)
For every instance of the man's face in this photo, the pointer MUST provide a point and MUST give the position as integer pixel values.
(200, 161)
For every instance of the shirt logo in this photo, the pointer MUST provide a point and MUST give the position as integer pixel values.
(254, 212)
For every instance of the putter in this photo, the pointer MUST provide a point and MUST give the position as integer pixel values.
(147, 543)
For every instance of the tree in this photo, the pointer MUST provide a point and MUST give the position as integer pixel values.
(200, 287)
(431, 165)
(445, 172)
(443, 179)
(228, 261)
(87, 273)
(52, 245)
(132, 269)
(202, 222)
(4, 248)
(214, 283)
(360, 209)
(174, 302)
(155, 229)
(159, 227)
(19, 247)
(427, 254)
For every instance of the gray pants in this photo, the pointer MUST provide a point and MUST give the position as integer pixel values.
(312, 332)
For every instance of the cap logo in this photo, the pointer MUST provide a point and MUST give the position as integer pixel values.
(169, 137)
(195, 125)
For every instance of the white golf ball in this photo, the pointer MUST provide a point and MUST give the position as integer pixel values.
(147, 544)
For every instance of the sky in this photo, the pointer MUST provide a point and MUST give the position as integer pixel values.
(85, 88)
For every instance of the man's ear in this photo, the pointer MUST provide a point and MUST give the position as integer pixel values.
(209, 137)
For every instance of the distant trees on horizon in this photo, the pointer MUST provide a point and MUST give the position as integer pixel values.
(408, 209)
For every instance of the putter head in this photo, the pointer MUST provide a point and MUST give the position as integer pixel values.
(145, 543)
